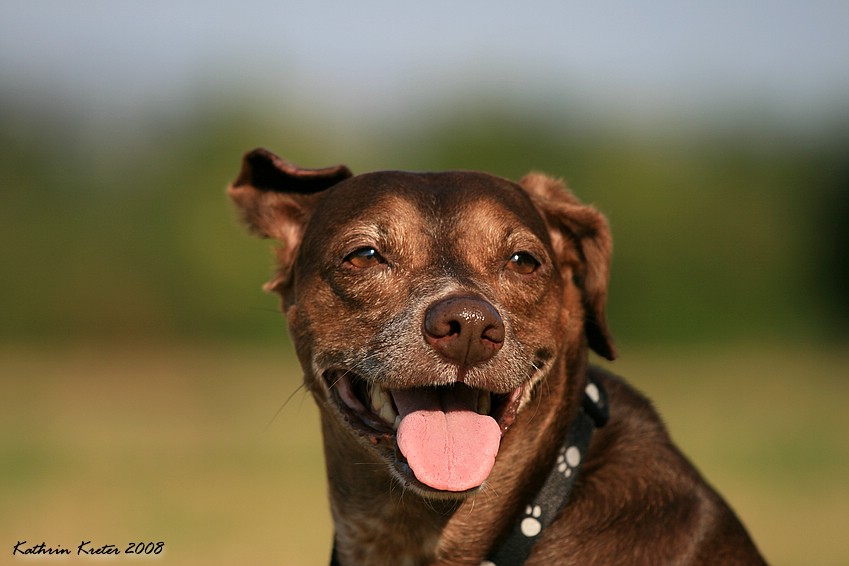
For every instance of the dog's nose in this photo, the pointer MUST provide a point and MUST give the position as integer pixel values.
(464, 330)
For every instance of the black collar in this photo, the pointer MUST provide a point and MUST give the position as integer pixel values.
(554, 493)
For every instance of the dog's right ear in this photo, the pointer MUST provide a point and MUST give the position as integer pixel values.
(276, 199)
(573, 225)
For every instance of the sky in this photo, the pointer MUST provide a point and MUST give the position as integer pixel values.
(371, 57)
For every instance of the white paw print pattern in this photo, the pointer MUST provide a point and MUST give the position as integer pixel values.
(568, 460)
(592, 392)
(531, 526)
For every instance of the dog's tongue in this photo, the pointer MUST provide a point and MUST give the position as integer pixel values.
(448, 445)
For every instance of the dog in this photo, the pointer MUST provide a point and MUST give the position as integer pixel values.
(443, 323)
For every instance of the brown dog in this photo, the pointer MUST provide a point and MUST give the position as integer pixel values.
(443, 322)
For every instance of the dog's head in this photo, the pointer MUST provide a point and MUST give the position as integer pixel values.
(425, 308)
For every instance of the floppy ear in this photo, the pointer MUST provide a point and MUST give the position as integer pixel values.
(276, 199)
(581, 238)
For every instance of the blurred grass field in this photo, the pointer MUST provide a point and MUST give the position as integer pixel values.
(173, 444)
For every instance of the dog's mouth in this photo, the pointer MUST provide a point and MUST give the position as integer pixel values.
(445, 438)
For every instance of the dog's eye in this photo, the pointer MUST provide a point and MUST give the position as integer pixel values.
(522, 263)
(364, 257)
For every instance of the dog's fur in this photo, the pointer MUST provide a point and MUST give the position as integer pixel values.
(365, 261)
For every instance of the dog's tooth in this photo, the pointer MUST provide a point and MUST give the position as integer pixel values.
(484, 403)
(387, 413)
(381, 404)
(397, 422)
(378, 398)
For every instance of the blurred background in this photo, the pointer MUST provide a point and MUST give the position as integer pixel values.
(145, 375)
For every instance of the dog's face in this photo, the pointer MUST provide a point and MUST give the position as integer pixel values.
(426, 308)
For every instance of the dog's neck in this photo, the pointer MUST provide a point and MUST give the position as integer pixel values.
(367, 503)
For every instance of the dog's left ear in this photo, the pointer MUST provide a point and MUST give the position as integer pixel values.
(277, 198)
(581, 238)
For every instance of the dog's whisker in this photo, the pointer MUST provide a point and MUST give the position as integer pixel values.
(299, 388)
(353, 370)
(265, 309)
(473, 502)
(335, 382)
(486, 491)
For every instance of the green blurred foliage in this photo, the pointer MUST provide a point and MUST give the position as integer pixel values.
(117, 227)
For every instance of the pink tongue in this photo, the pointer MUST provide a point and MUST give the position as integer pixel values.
(447, 444)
